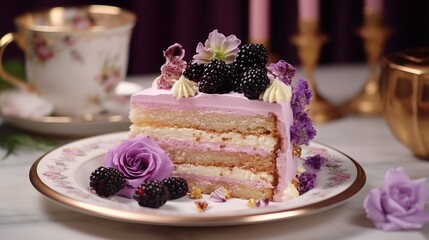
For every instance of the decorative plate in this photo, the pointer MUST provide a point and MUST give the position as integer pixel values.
(62, 175)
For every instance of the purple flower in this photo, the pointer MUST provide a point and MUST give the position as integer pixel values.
(139, 159)
(301, 95)
(174, 52)
(217, 46)
(302, 130)
(173, 67)
(282, 70)
(307, 181)
(399, 204)
(314, 162)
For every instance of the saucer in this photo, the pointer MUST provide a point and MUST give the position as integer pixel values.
(114, 119)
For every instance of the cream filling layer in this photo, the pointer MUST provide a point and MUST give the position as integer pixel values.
(232, 173)
(265, 142)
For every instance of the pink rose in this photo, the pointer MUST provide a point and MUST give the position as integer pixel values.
(43, 51)
(399, 204)
(139, 159)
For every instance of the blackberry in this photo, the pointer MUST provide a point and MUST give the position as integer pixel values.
(212, 86)
(152, 194)
(252, 55)
(177, 186)
(215, 78)
(106, 181)
(194, 71)
(233, 78)
(236, 72)
(254, 82)
(214, 70)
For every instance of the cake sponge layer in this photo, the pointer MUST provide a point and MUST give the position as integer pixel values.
(264, 142)
(243, 191)
(168, 116)
(250, 162)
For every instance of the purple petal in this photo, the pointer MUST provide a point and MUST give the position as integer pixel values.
(231, 44)
(395, 176)
(422, 192)
(215, 41)
(127, 191)
(397, 223)
(391, 206)
(203, 54)
(419, 216)
(372, 205)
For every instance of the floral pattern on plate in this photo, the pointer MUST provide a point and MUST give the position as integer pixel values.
(63, 176)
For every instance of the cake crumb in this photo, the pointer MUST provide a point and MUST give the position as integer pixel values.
(297, 151)
(295, 182)
(201, 205)
(196, 193)
(251, 203)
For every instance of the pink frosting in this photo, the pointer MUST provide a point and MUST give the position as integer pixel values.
(207, 146)
(232, 103)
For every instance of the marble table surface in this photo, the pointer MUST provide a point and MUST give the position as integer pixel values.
(27, 214)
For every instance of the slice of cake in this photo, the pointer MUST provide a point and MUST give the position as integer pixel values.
(236, 125)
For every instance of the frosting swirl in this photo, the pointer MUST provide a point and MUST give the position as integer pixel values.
(277, 92)
(290, 192)
(184, 88)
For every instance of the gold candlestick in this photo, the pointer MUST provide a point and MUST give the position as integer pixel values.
(374, 34)
(309, 41)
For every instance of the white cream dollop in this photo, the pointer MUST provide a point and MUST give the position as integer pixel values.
(184, 88)
(290, 192)
(278, 91)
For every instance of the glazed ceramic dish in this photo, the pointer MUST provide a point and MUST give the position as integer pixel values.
(62, 175)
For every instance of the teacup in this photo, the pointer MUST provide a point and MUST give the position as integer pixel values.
(74, 56)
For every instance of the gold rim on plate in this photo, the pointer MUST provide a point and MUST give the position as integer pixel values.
(151, 216)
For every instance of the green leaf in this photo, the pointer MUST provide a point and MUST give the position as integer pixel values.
(13, 142)
(14, 67)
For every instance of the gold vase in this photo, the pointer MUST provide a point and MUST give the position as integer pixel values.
(309, 42)
(404, 91)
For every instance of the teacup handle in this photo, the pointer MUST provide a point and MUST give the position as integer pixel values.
(17, 82)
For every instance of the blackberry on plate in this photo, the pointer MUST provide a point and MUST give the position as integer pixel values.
(177, 186)
(152, 194)
(194, 71)
(253, 55)
(254, 82)
(106, 181)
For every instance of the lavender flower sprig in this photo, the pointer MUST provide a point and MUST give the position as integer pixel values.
(301, 95)
(281, 70)
(302, 131)
(314, 163)
(307, 180)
